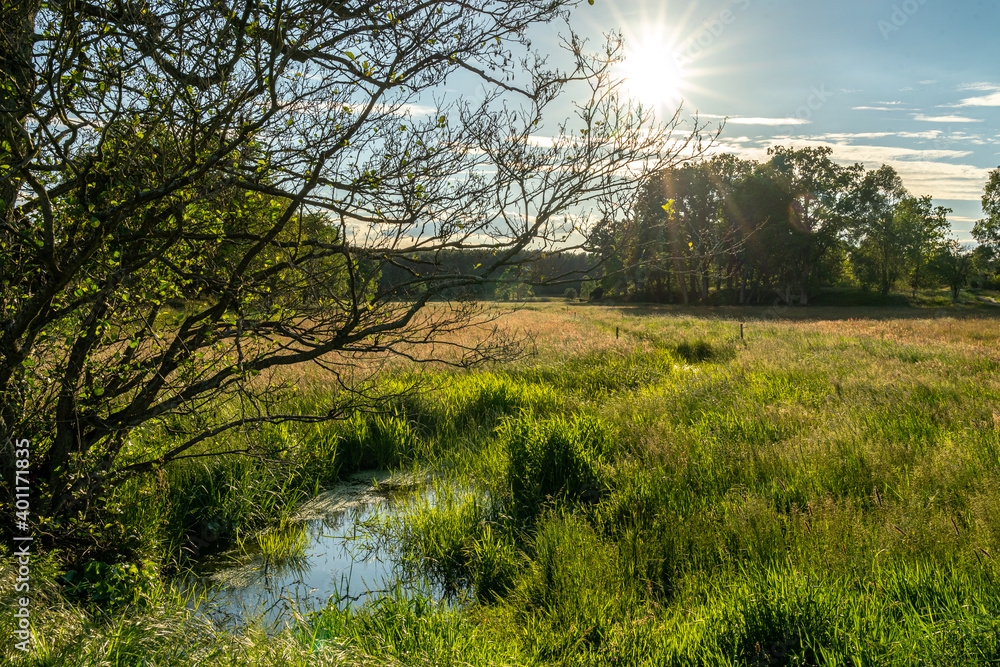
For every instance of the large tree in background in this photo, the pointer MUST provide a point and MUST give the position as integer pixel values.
(265, 161)
(819, 192)
(772, 226)
(987, 230)
(675, 233)
(780, 230)
(882, 237)
(759, 206)
(952, 264)
(923, 228)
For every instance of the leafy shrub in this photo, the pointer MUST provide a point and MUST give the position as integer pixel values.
(396, 628)
(776, 617)
(117, 584)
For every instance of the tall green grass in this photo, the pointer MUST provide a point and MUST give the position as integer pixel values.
(769, 491)
(821, 493)
(167, 628)
(558, 459)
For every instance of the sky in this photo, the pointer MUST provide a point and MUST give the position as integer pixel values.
(910, 83)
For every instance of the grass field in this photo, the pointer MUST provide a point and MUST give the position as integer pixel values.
(648, 488)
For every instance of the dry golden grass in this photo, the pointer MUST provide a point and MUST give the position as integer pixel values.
(556, 330)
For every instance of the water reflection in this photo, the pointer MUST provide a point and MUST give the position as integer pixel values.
(343, 558)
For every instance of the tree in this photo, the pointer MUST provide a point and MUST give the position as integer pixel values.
(952, 263)
(763, 202)
(987, 230)
(676, 231)
(268, 163)
(816, 185)
(921, 228)
(513, 286)
(882, 239)
(729, 174)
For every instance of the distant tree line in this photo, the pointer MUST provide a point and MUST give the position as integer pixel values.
(745, 232)
(729, 230)
(530, 274)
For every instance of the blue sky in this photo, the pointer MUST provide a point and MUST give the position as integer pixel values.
(914, 83)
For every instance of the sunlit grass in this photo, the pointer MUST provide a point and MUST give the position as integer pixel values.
(650, 488)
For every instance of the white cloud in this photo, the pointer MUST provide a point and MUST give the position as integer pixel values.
(768, 121)
(539, 141)
(927, 176)
(880, 109)
(991, 100)
(880, 154)
(922, 170)
(943, 180)
(757, 120)
(747, 152)
(981, 85)
(928, 82)
(946, 119)
(850, 136)
(926, 134)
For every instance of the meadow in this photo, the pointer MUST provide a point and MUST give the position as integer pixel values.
(648, 487)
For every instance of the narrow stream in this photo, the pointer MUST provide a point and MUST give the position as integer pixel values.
(342, 561)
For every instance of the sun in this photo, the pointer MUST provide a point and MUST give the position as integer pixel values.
(652, 74)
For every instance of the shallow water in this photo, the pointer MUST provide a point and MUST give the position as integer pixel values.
(344, 561)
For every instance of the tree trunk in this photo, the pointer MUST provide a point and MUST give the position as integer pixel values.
(17, 25)
(801, 284)
(885, 274)
(17, 28)
(743, 286)
(684, 292)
